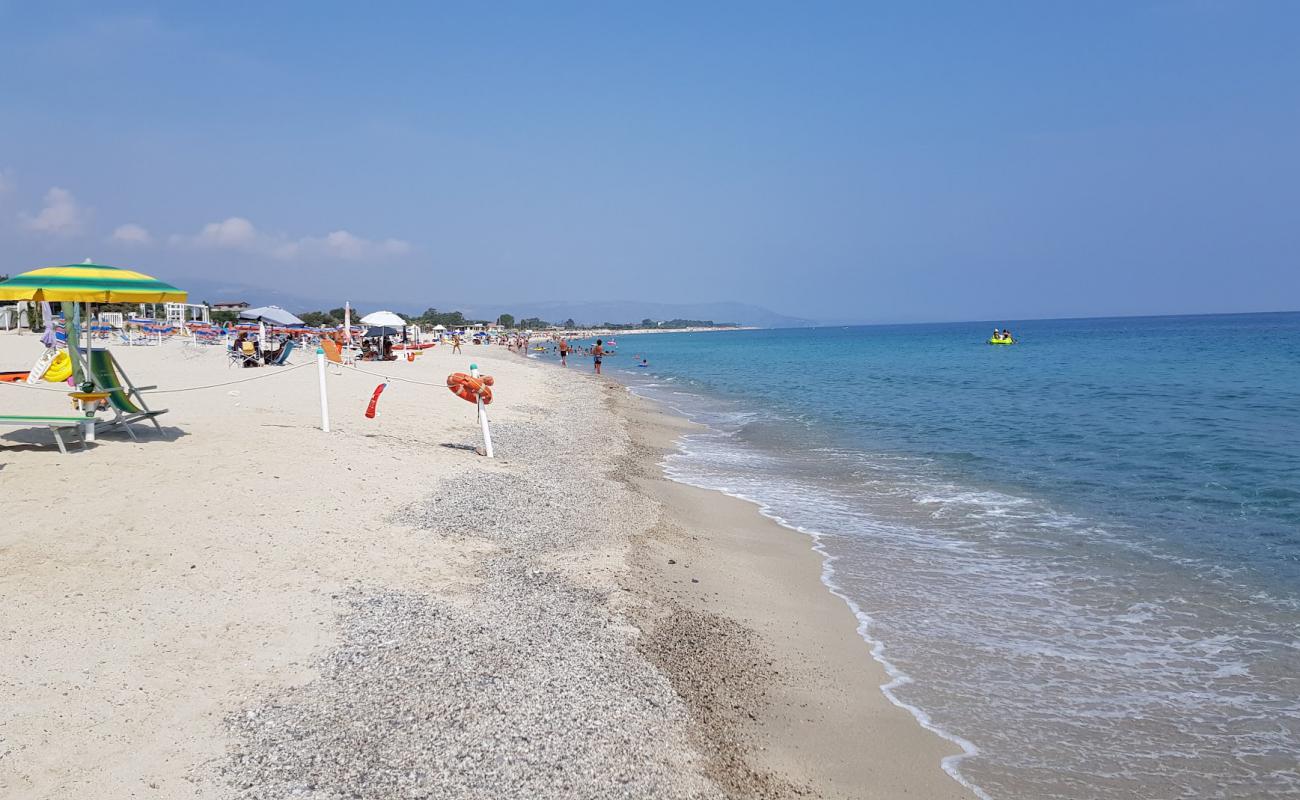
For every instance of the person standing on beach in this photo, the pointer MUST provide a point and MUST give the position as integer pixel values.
(564, 352)
(597, 353)
(455, 344)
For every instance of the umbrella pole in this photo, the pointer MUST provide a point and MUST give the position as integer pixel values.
(74, 342)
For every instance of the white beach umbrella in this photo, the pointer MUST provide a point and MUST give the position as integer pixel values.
(440, 327)
(347, 322)
(272, 314)
(383, 318)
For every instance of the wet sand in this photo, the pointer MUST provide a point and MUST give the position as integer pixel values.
(723, 580)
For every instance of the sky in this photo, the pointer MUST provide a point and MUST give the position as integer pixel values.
(873, 162)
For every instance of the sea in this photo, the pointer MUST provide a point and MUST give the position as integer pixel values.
(1077, 557)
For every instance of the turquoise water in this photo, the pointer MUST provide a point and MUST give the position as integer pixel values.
(1079, 556)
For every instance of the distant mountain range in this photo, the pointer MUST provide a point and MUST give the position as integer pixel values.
(632, 311)
(202, 290)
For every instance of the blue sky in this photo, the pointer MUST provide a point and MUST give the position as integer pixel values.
(873, 162)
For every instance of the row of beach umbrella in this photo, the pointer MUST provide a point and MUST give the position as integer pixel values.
(75, 284)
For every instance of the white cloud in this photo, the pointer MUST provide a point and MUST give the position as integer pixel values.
(131, 233)
(344, 245)
(237, 233)
(61, 216)
(234, 233)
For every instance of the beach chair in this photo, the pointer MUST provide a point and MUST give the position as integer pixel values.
(243, 356)
(333, 355)
(124, 397)
(55, 424)
(283, 356)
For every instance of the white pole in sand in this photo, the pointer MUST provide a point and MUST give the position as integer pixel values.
(324, 398)
(482, 417)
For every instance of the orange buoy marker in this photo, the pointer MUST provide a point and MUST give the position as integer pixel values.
(477, 389)
(374, 400)
(471, 387)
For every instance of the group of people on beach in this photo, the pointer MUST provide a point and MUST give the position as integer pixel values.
(251, 354)
(597, 352)
(516, 344)
(383, 351)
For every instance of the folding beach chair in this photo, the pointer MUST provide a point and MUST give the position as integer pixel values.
(333, 355)
(243, 356)
(283, 356)
(124, 397)
(53, 423)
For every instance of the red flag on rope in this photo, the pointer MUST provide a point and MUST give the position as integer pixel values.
(374, 400)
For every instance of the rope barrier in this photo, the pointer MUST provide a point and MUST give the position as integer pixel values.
(393, 378)
(25, 385)
(280, 371)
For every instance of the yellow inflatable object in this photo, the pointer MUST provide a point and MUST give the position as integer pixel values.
(60, 368)
(1002, 341)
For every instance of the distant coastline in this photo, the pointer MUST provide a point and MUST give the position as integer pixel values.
(588, 332)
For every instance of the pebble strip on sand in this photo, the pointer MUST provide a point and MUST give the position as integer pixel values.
(529, 685)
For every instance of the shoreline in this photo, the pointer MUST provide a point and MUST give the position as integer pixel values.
(894, 677)
(418, 619)
(823, 724)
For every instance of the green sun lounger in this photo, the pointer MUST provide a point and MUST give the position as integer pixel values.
(124, 397)
(53, 423)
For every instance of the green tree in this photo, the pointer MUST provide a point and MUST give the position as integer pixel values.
(506, 320)
(317, 319)
(569, 323)
(450, 319)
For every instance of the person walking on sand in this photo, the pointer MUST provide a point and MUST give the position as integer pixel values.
(564, 352)
(455, 344)
(597, 353)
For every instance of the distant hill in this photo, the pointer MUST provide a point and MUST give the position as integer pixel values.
(217, 291)
(633, 311)
(202, 290)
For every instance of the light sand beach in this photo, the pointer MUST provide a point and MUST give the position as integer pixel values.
(249, 607)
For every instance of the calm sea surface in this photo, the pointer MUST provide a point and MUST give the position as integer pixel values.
(1078, 556)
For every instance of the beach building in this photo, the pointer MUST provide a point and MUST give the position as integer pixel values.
(238, 305)
(180, 313)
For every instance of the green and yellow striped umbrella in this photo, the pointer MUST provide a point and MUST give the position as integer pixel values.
(89, 283)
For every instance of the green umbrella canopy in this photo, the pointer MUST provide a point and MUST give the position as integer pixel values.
(89, 283)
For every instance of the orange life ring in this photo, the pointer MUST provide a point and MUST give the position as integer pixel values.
(467, 387)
